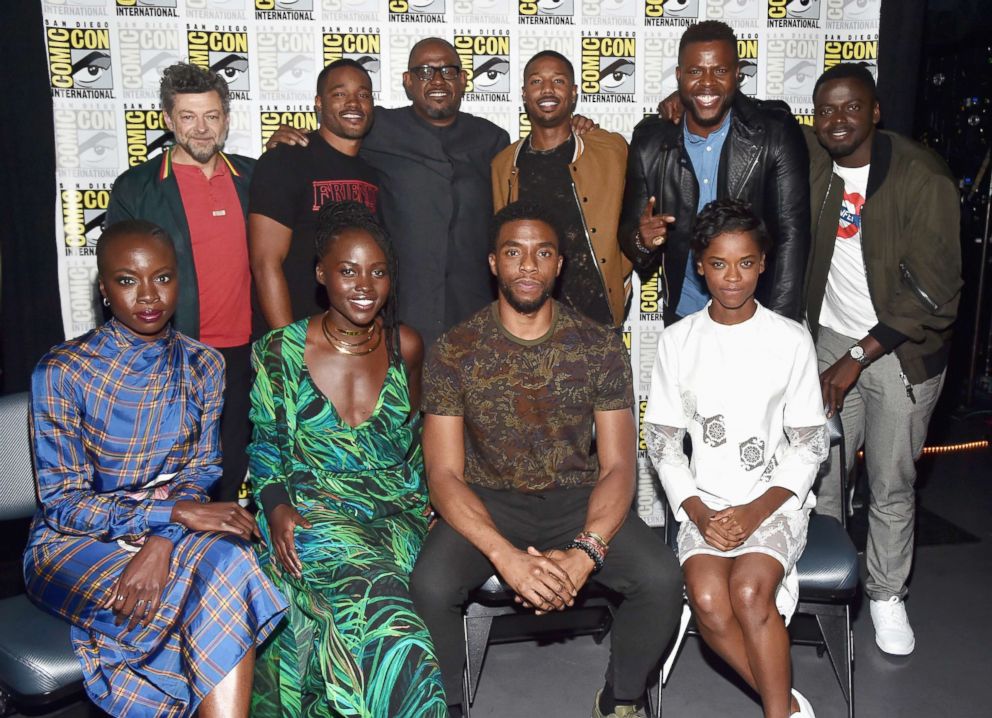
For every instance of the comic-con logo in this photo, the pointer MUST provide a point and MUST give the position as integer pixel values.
(611, 12)
(523, 124)
(486, 62)
(86, 141)
(651, 297)
(642, 407)
(747, 69)
(271, 119)
(286, 63)
(669, 13)
(790, 68)
(804, 118)
(362, 47)
(284, 10)
(794, 13)
(481, 11)
(146, 134)
(862, 52)
(79, 61)
(147, 8)
(546, 12)
(852, 14)
(83, 212)
(144, 53)
(608, 65)
(226, 53)
(416, 10)
(737, 13)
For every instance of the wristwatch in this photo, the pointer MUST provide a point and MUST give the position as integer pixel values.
(857, 353)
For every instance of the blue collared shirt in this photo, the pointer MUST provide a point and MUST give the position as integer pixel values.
(704, 155)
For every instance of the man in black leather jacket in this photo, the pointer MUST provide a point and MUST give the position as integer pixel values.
(763, 160)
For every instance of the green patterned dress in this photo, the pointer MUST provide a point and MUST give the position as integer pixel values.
(352, 644)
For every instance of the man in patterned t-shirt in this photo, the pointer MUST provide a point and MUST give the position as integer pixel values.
(511, 397)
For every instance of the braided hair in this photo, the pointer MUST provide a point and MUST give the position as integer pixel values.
(335, 218)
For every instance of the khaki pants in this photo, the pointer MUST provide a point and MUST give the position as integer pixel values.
(879, 416)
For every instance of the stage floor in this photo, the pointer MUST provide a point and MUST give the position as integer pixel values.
(949, 604)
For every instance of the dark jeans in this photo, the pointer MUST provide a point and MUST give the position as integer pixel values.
(639, 566)
(235, 429)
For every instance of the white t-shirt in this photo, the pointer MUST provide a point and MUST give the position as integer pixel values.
(847, 306)
(736, 389)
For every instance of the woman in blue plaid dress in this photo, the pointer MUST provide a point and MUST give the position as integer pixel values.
(165, 597)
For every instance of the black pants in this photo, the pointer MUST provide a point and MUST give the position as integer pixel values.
(235, 429)
(639, 566)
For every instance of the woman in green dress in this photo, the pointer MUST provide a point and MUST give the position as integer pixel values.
(336, 466)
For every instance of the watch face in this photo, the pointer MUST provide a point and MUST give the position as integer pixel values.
(857, 353)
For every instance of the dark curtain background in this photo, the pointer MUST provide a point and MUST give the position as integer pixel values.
(30, 313)
(900, 46)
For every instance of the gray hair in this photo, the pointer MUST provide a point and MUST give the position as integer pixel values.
(186, 78)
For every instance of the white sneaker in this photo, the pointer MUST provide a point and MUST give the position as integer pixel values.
(805, 709)
(893, 634)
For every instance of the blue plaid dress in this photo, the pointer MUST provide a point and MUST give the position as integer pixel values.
(110, 414)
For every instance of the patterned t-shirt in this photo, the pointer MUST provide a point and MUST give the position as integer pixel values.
(528, 405)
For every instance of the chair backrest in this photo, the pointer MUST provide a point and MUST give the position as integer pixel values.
(17, 495)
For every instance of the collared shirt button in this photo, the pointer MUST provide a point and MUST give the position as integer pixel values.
(709, 148)
(706, 181)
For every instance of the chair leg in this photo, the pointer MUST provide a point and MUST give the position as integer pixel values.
(477, 630)
(654, 696)
(666, 669)
(836, 631)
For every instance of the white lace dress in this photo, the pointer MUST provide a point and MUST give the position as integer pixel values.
(748, 395)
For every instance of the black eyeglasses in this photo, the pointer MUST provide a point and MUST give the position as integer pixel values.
(427, 72)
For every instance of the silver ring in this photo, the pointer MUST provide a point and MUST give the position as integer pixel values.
(120, 597)
(140, 601)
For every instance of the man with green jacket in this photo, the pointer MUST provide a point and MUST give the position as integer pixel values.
(199, 195)
(883, 285)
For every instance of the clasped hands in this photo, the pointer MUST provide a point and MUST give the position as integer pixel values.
(546, 581)
(727, 528)
(136, 595)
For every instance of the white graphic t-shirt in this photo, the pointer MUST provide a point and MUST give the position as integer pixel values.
(847, 306)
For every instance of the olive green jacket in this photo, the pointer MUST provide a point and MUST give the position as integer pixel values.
(910, 238)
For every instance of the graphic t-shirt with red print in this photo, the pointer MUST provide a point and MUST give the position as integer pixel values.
(847, 306)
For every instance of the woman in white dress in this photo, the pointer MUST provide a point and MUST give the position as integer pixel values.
(742, 382)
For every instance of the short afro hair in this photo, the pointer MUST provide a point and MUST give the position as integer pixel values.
(723, 216)
(848, 71)
(126, 228)
(709, 31)
(554, 56)
(519, 211)
(337, 65)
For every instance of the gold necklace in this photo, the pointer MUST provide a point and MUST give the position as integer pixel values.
(350, 333)
(347, 348)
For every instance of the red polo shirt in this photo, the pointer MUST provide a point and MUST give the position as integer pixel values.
(220, 253)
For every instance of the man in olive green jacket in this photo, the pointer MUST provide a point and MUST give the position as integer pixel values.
(579, 179)
(883, 285)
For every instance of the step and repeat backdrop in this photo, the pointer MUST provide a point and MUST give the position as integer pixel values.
(105, 58)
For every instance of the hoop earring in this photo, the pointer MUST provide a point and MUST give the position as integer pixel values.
(106, 302)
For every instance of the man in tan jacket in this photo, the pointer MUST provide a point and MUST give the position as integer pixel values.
(579, 179)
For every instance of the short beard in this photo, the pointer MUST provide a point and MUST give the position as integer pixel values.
(201, 156)
(442, 113)
(521, 306)
(690, 108)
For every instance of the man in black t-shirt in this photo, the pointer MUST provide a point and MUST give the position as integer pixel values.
(578, 179)
(292, 182)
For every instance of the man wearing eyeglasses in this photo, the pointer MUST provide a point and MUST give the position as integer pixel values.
(434, 190)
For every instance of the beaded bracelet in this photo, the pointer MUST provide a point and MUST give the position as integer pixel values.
(589, 551)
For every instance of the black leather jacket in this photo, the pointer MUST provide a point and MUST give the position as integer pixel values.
(764, 161)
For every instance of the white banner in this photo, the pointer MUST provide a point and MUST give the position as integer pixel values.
(105, 59)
